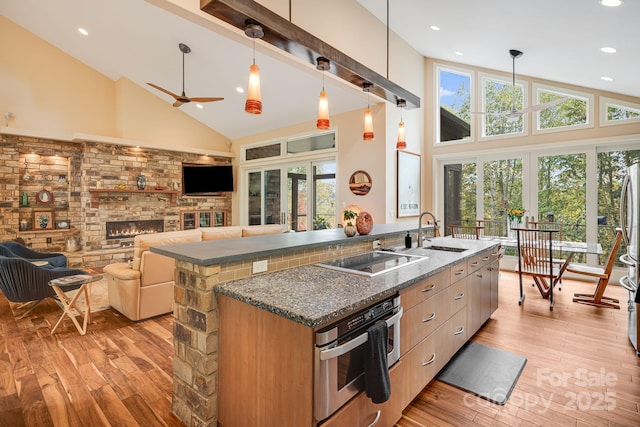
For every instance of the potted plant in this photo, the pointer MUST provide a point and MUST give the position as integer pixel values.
(349, 228)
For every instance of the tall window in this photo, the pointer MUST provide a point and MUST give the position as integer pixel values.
(562, 194)
(502, 187)
(460, 181)
(454, 105)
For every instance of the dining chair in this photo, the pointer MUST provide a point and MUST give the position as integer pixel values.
(547, 225)
(465, 231)
(602, 274)
(493, 227)
(536, 260)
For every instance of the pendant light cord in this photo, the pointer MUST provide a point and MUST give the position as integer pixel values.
(182, 73)
(387, 39)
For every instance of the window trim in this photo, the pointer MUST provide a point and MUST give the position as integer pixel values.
(284, 156)
(437, 67)
(605, 102)
(588, 97)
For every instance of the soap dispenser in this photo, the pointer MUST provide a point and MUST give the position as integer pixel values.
(407, 241)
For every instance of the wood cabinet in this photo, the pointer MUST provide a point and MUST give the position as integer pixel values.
(202, 218)
(483, 290)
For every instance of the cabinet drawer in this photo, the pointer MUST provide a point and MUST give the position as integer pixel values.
(424, 289)
(420, 321)
(459, 271)
(479, 260)
(458, 295)
(426, 359)
(457, 329)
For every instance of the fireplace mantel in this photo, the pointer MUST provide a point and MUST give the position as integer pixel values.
(96, 193)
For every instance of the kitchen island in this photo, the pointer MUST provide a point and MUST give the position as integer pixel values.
(256, 332)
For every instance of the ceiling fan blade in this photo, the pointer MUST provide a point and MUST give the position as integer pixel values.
(161, 89)
(206, 99)
(543, 106)
(178, 103)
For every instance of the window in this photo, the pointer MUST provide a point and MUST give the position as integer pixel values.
(500, 96)
(460, 181)
(304, 144)
(573, 113)
(453, 112)
(614, 112)
(502, 187)
(612, 167)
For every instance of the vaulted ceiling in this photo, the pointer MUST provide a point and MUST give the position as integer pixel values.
(139, 40)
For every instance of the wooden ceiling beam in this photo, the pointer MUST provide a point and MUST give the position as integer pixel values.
(292, 39)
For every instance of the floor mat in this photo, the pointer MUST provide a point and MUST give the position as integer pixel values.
(484, 371)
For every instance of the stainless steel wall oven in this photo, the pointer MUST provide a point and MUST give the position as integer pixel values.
(339, 355)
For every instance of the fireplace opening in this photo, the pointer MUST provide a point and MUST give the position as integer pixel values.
(127, 229)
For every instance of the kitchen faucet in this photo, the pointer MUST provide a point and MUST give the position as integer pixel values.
(436, 231)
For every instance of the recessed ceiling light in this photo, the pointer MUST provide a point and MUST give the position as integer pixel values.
(239, 89)
(459, 53)
(607, 49)
(610, 3)
(435, 28)
(606, 79)
(83, 31)
(199, 106)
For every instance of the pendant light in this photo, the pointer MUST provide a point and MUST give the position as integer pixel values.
(368, 120)
(253, 105)
(401, 103)
(323, 105)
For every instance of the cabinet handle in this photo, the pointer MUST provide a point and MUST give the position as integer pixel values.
(376, 419)
(473, 264)
(459, 331)
(430, 318)
(459, 272)
(486, 258)
(430, 361)
(479, 276)
(459, 296)
(430, 288)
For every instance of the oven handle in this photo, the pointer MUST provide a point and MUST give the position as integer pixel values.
(359, 340)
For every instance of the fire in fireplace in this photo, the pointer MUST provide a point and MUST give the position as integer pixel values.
(127, 229)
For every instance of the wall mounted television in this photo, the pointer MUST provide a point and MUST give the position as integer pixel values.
(206, 180)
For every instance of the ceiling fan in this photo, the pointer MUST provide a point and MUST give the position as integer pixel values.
(183, 99)
(515, 113)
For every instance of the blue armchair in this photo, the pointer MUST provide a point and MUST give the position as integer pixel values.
(15, 249)
(22, 281)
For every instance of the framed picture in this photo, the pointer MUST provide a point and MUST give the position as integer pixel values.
(408, 191)
(43, 220)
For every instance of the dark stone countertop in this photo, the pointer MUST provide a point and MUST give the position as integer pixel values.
(218, 251)
(317, 296)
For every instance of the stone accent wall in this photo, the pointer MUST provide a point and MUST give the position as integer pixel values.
(90, 165)
(195, 328)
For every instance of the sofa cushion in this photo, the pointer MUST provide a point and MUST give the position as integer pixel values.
(260, 230)
(219, 233)
(143, 242)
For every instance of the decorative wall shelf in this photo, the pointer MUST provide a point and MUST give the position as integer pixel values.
(106, 192)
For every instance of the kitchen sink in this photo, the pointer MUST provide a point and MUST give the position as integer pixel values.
(444, 248)
(371, 263)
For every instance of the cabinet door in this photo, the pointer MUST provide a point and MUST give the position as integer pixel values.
(458, 294)
(474, 302)
(485, 286)
(204, 219)
(495, 276)
(189, 220)
(219, 218)
(420, 321)
(457, 328)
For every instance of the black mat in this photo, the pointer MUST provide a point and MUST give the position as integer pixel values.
(484, 371)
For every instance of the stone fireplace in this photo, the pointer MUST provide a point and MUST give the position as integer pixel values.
(128, 229)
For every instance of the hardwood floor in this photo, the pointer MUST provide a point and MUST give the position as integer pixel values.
(581, 369)
(120, 373)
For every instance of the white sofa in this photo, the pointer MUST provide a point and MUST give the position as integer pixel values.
(143, 288)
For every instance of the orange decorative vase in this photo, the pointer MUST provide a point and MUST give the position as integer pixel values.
(364, 223)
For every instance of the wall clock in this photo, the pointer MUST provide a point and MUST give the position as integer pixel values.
(44, 197)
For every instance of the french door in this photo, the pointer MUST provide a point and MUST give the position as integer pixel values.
(294, 194)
